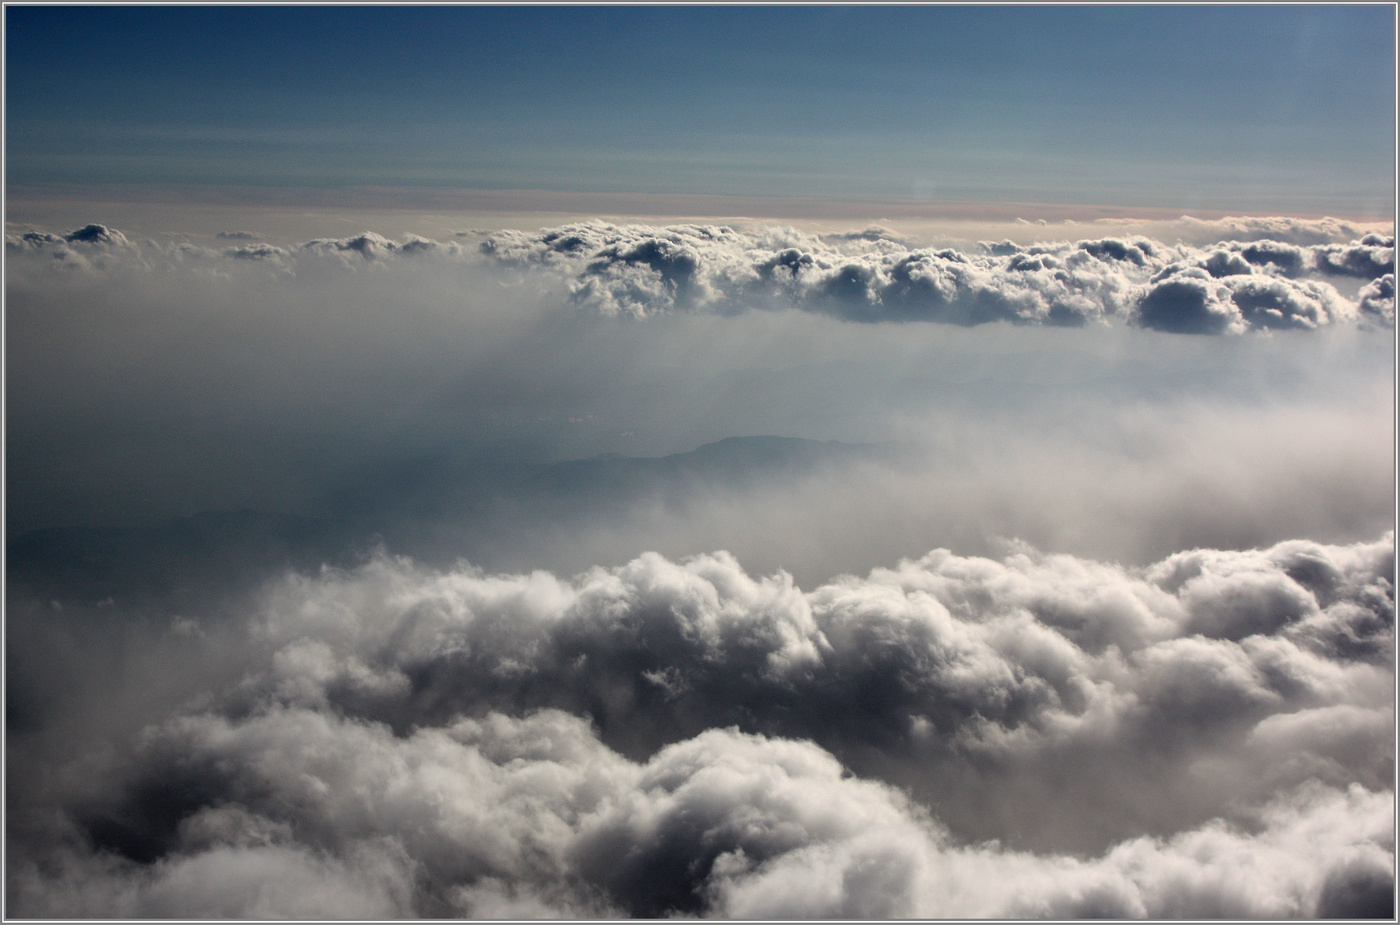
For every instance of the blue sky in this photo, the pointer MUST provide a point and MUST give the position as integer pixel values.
(1265, 109)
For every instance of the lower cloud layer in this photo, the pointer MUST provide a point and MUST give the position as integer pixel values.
(1210, 736)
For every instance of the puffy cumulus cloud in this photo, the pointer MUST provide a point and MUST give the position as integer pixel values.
(1188, 301)
(1223, 294)
(534, 817)
(656, 649)
(1320, 853)
(227, 879)
(92, 236)
(91, 248)
(1369, 258)
(96, 248)
(1288, 258)
(267, 252)
(1209, 736)
(1281, 303)
(875, 276)
(371, 246)
(1377, 300)
(97, 234)
(867, 276)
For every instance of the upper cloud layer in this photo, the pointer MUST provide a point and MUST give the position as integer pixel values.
(872, 276)
(1257, 282)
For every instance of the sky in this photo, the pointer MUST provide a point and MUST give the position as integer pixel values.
(1284, 109)
(735, 462)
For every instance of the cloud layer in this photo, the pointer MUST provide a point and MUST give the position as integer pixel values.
(875, 277)
(1258, 283)
(671, 737)
(1157, 705)
(150, 382)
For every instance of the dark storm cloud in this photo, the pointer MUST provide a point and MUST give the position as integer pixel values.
(673, 737)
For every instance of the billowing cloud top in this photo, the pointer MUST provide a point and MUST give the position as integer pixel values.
(679, 737)
(873, 277)
(1263, 280)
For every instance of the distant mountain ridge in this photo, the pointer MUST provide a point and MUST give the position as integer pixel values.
(411, 508)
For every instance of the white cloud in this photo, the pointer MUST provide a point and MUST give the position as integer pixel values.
(534, 816)
(422, 734)
(1377, 298)
(871, 276)
(1319, 852)
(1128, 723)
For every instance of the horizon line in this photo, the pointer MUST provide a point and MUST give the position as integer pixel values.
(631, 203)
